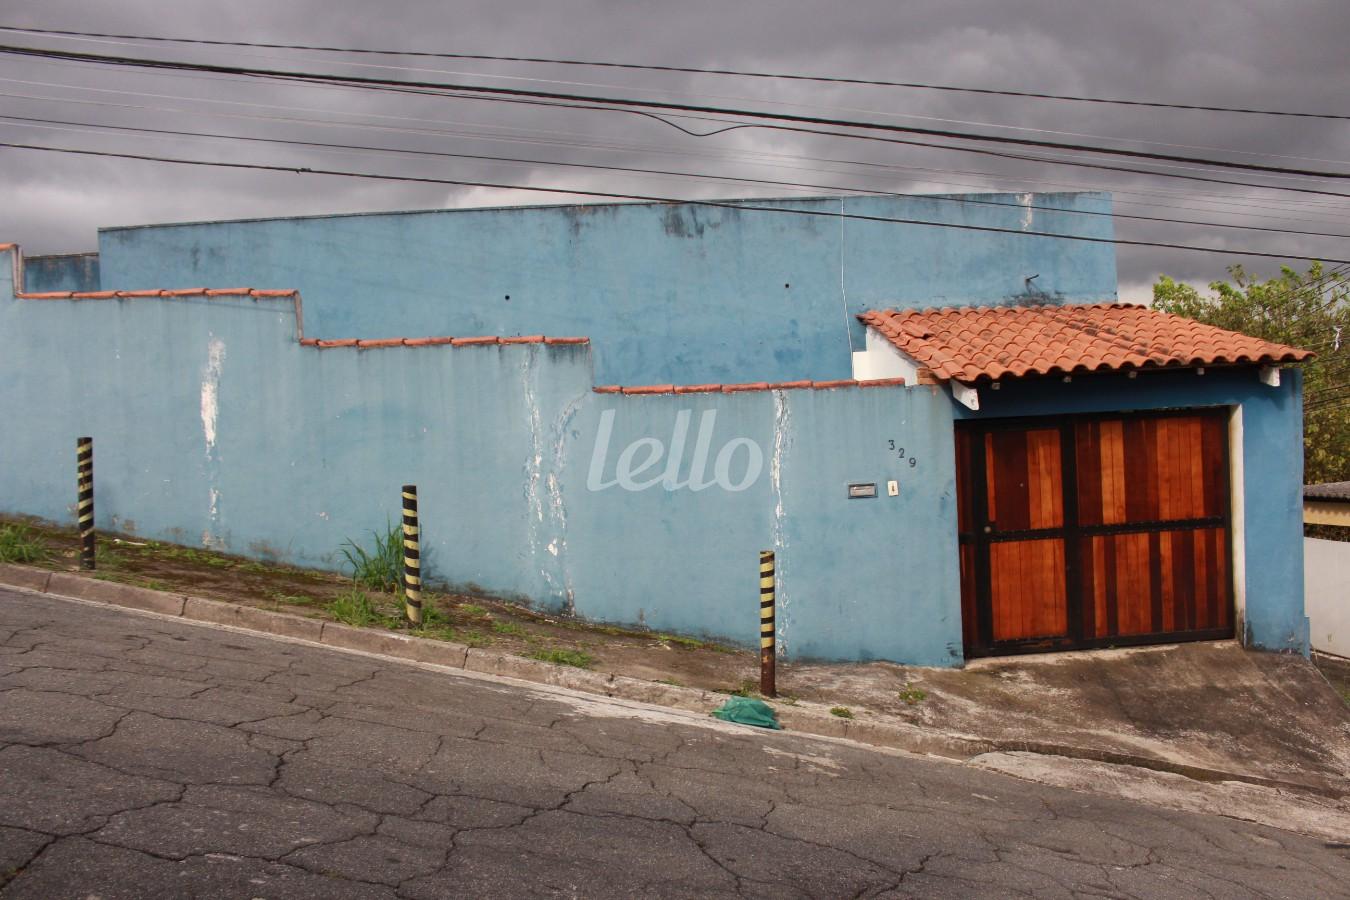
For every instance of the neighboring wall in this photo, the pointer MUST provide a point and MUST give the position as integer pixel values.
(1326, 566)
(213, 426)
(667, 293)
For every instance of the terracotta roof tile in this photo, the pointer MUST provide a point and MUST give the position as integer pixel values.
(973, 342)
(427, 341)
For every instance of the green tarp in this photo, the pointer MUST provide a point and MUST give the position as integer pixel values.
(748, 711)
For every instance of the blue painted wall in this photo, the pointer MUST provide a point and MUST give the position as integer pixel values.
(214, 427)
(68, 272)
(681, 294)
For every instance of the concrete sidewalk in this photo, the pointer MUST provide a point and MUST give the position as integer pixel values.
(1209, 712)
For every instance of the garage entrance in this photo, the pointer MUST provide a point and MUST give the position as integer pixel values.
(1093, 531)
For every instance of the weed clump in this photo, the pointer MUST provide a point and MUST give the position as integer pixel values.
(912, 695)
(21, 544)
(563, 657)
(842, 712)
(381, 567)
(355, 608)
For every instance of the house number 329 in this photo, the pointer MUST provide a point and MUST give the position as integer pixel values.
(900, 453)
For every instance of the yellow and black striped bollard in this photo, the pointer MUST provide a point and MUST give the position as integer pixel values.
(767, 668)
(412, 556)
(84, 458)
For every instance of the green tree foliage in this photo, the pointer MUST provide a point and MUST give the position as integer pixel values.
(1309, 310)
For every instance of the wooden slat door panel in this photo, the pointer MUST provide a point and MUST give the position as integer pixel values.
(1135, 550)
(1024, 484)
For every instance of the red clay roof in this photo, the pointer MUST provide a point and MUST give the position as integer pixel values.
(973, 342)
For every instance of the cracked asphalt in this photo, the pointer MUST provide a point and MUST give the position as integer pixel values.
(144, 757)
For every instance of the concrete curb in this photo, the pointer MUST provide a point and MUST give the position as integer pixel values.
(804, 718)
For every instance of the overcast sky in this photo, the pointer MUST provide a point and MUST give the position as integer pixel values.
(1287, 56)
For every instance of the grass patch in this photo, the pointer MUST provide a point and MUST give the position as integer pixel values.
(105, 556)
(562, 657)
(842, 712)
(473, 609)
(680, 641)
(194, 556)
(379, 568)
(912, 695)
(355, 608)
(154, 584)
(747, 688)
(290, 599)
(472, 637)
(21, 544)
(441, 633)
(511, 629)
(670, 681)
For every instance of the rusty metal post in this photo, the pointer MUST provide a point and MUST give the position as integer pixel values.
(767, 666)
(84, 459)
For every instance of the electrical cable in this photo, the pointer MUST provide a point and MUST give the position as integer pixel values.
(739, 206)
(740, 73)
(58, 124)
(383, 83)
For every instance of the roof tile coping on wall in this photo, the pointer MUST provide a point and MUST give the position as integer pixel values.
(293, 295)
(487, 340)
(647, 389)
(969, 343)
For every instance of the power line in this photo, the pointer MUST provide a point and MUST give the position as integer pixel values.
(692, 70)
(981, 151)
(740, 206)
(59, 124)
(532, 136)
(403, 68)
(396, 84)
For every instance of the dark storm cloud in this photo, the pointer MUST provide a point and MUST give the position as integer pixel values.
(1286, 56)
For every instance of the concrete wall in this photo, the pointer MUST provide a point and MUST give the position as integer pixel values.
(67, 272)
(1326, 566)
(681, 294)
(214, 427)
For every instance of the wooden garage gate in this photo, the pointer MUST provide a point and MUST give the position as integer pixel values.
(1094, 531)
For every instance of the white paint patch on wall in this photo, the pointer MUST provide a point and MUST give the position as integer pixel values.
(1028, 214)
(1326, 580)
(215, 361)
(782, 424)
(210, 409)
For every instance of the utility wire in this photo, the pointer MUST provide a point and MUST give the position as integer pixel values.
(739, 206)
(60, 124)
(693, 70)
(536, 136)
(403, 68)
(981, 151)
(384, 83)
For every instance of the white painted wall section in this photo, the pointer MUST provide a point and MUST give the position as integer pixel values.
(882, 359)
(1326, 579)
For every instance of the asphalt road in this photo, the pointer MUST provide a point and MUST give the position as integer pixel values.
(143, 757)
